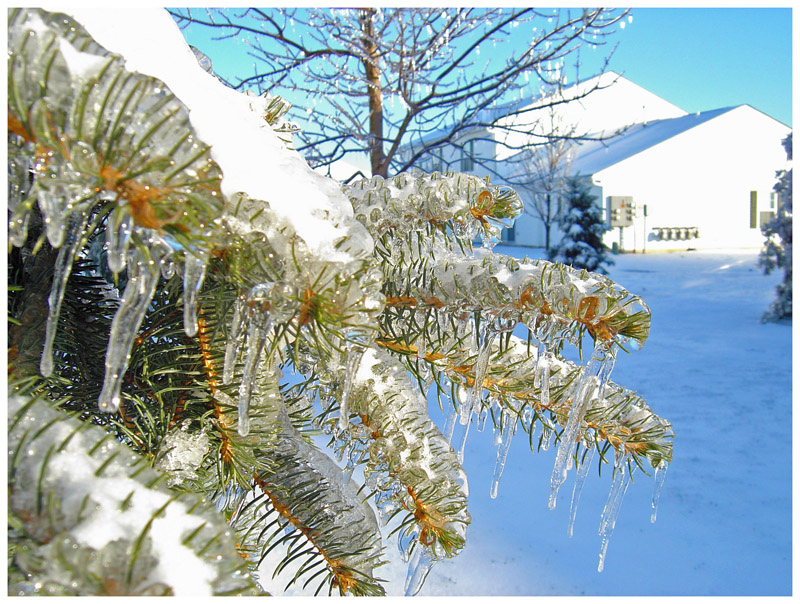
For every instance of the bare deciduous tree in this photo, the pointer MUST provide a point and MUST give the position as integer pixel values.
(380, 79)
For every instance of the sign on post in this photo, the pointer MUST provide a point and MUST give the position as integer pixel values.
(622, 210)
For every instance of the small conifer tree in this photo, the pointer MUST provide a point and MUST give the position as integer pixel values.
(583, 226)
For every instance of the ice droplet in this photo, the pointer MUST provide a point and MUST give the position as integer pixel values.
(509, 425)
(588, 384)
(584, 463)
(143, 276)
(459, 437)
(194, 273)
(61, 273)
(482, 415)
(608, 519)
(234, 337)
(421, 563)
(661, 474)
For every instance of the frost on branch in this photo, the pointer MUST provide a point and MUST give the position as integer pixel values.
(241, 302)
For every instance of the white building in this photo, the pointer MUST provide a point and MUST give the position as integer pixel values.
(697, 181)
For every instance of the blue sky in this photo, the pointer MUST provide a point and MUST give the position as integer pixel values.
(705, 58)
(696, 58)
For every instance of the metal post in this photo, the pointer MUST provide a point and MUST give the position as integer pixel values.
(644, 231)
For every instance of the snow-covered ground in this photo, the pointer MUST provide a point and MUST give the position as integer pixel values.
(724, 522)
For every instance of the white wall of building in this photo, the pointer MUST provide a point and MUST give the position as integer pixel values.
(701, 178)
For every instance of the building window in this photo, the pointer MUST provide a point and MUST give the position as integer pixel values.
(467, 155)
(753, 209)
(772, 197)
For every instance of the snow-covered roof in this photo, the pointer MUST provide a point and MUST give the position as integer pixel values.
(592, 156)
(489, 115)
(607, 101)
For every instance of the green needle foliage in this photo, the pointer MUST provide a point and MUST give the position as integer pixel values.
(230, 338)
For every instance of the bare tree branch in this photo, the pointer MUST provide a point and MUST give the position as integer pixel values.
(377, 82)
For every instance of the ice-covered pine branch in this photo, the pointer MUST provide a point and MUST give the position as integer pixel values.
(242, 301)
(89, 517)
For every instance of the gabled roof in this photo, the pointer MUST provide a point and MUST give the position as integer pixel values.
(616, 102)
(592, 156)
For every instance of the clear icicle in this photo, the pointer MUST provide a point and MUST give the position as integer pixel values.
(608, 519)
(118, 232)
(194, 273)
(544, 380)
(547, 436)
(61, 273)
(450, 424)
(421, 563)
(483, 414)
(53, 206)
(143, 276)
(354, 457)
(583, 392)
(257, 330)
(405, 541)
(544, 335)
(580, 477)
(604, 372)
(661, 474)
(234, 337)
(463, 408)
(486, 335)
(354, 350)
(508, 427)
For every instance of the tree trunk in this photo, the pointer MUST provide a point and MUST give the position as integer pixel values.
(374, 93)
